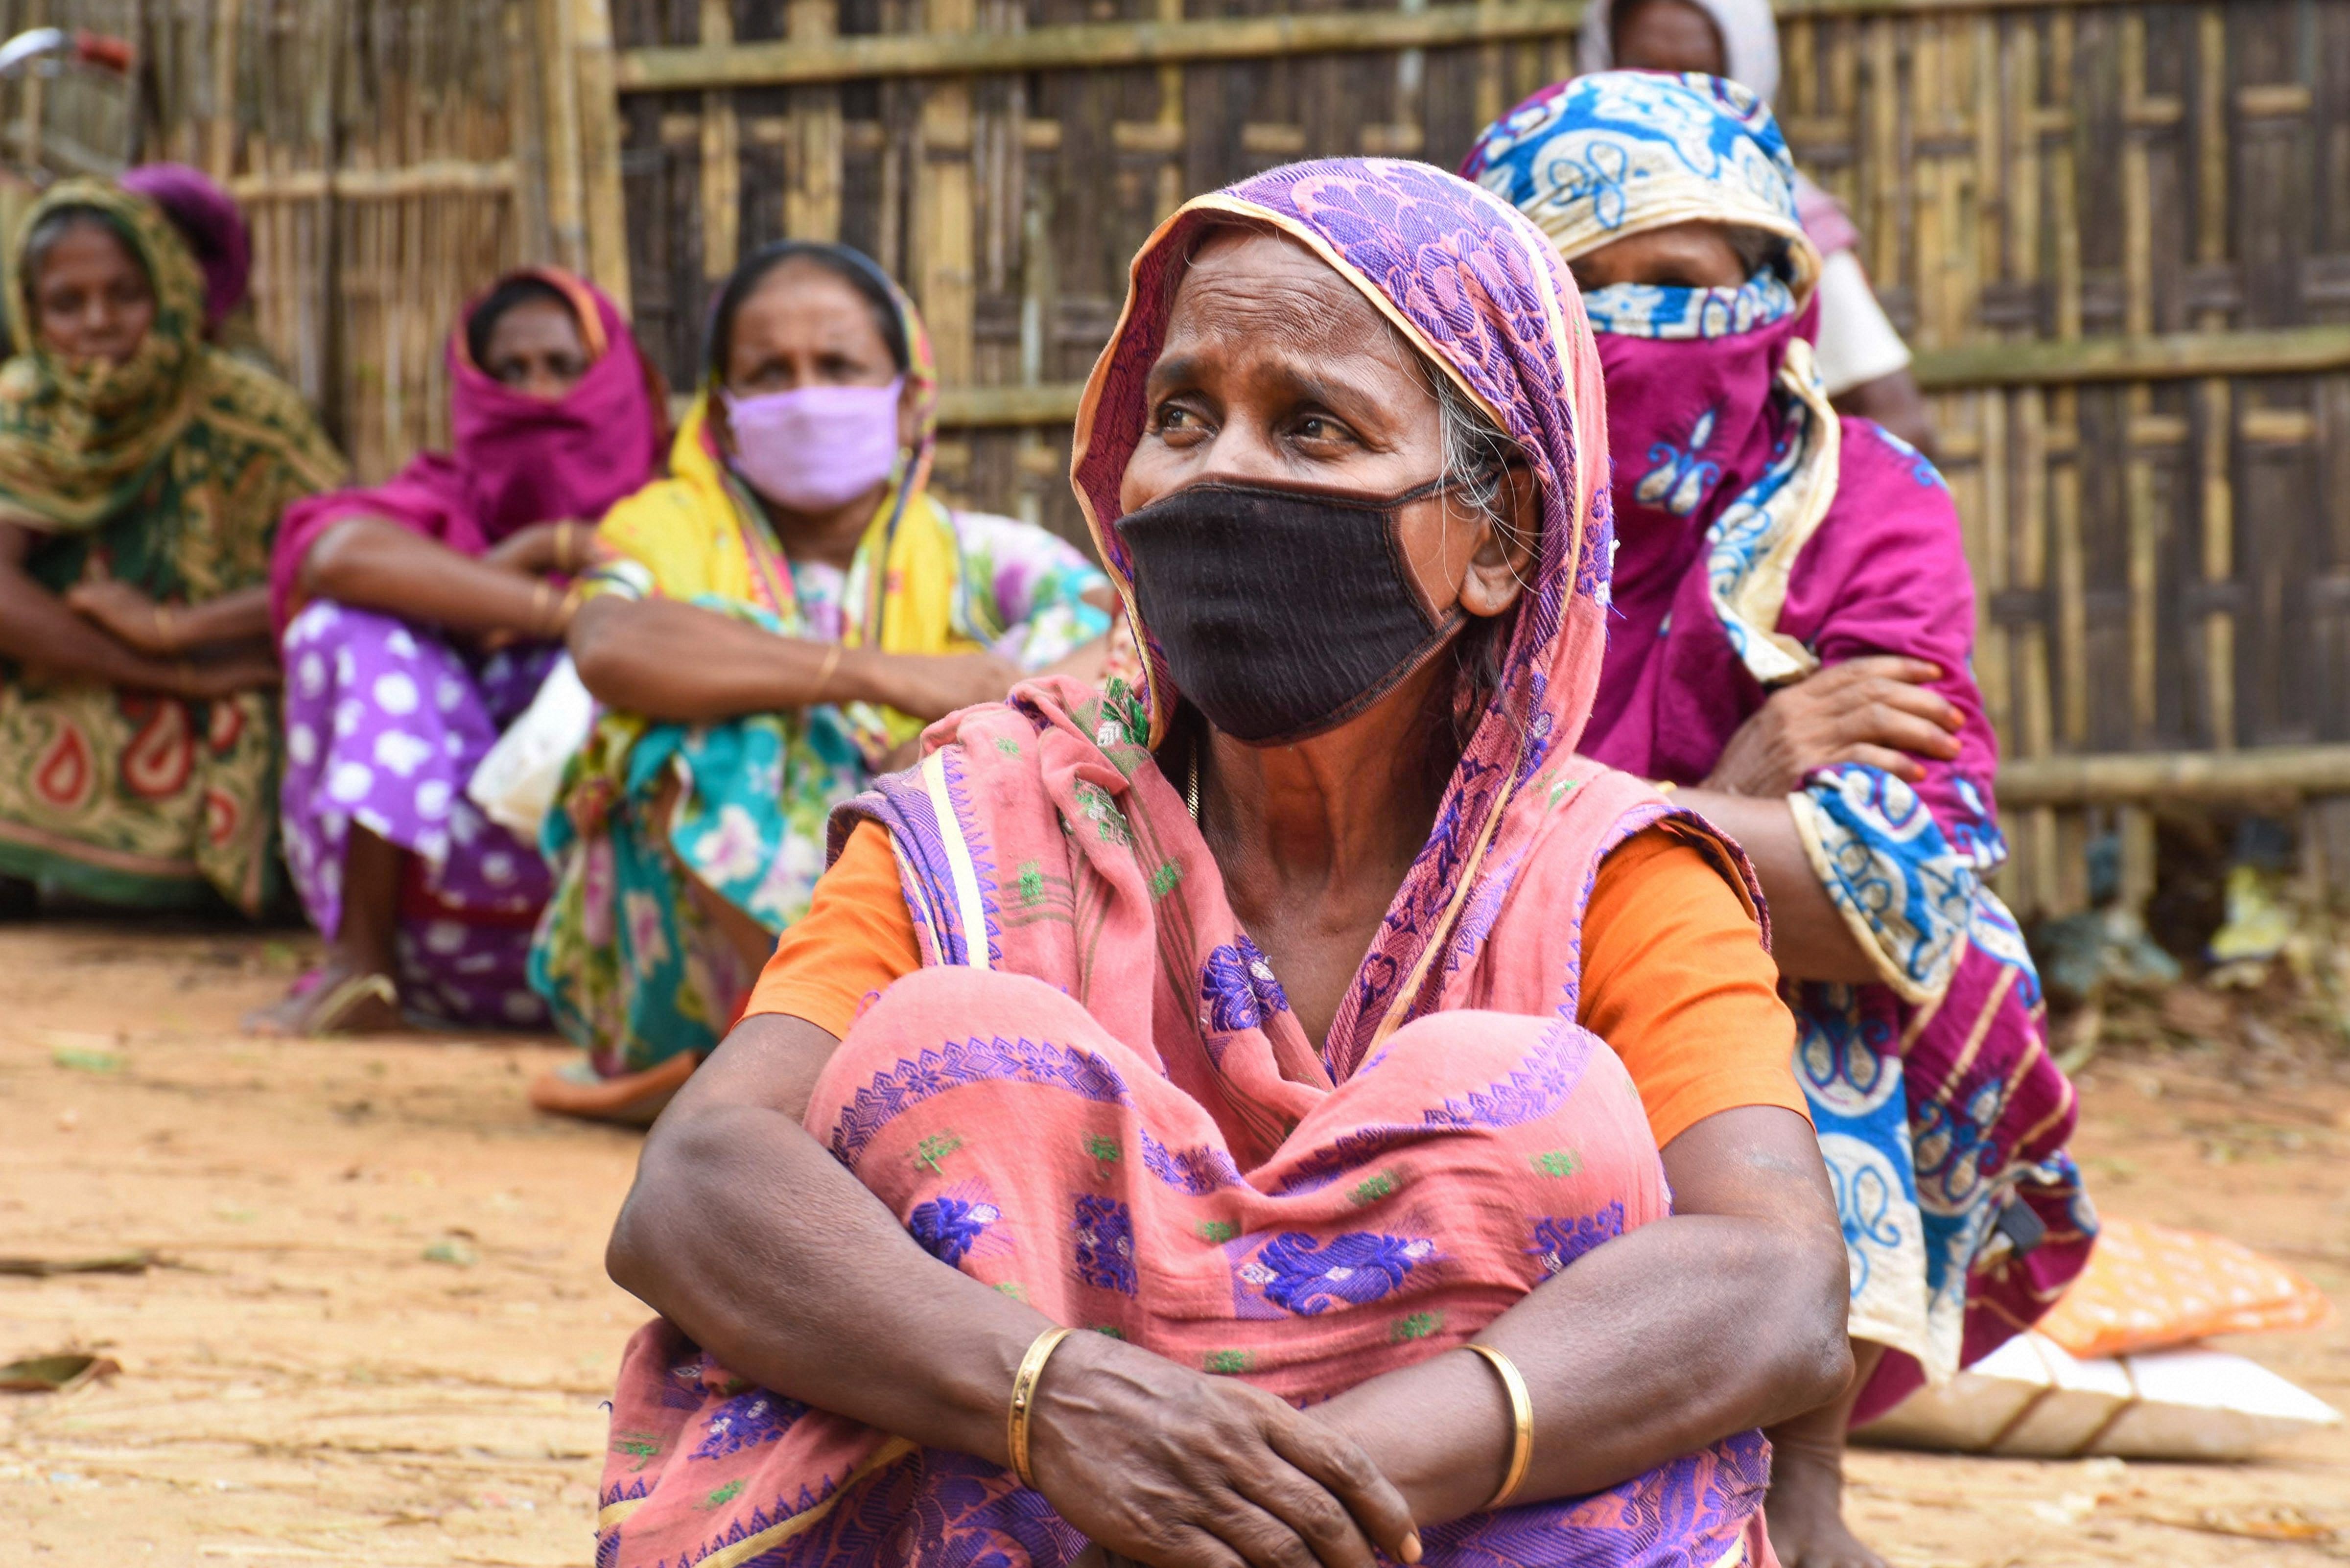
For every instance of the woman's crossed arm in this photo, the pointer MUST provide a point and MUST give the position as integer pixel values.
(745, 1231)
(747, 1234)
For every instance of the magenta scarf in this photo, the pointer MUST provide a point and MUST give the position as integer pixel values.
(1883, 570)
(513, 460)
(1691, 424)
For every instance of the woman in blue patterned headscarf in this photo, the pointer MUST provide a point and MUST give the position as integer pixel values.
(1792, 645)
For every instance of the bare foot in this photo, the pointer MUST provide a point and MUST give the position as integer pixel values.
(1805, 1509)
(337, 1000)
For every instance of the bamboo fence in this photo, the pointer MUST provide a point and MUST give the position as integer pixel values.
(2117, 232)
(392, 156)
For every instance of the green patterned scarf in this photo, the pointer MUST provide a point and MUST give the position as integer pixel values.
(77, 440)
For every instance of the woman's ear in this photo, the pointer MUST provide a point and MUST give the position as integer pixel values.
(1498, 571)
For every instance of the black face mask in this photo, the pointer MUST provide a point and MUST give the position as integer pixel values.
(1282, 613)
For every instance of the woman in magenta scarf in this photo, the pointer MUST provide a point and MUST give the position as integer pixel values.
(1793, 624)
(417, 619)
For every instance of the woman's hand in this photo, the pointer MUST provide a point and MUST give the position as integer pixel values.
(566, 547)
(1176, 1469)
(1873, 711)
(933, 685)
(129, 615)
(207, 679)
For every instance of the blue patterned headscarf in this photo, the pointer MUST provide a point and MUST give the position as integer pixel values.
(1617, 154)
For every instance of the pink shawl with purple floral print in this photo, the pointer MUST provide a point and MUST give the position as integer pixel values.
(1094, 1094)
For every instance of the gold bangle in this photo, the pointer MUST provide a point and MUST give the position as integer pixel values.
(1024, 1398)
(824, 676)
(563, 547)
(541, 596)
(1521, 1417)
(164, 625)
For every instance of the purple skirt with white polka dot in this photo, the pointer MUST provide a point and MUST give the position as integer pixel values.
(385, 722)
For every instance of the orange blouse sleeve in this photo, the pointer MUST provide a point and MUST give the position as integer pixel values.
(856, 938)
(1674, 974)
(1675, 979)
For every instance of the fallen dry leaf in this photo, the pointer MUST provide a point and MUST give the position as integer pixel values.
(135, 1262)
(2262, 1524)
(55, 1374)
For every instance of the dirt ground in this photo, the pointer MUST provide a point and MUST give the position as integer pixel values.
(378, 1332)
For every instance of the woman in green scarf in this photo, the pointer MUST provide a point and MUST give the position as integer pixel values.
(141, 475)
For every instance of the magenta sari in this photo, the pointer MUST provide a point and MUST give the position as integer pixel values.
(1094, 1094)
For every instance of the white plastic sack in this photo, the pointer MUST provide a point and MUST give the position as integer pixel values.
(515, 786)
(2029, 1399)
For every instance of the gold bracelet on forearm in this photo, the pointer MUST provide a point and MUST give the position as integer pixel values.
(824, 676)
(1023, 1398)
(542, 600)
(1521, 1422)
(563, 547)
(163, 638)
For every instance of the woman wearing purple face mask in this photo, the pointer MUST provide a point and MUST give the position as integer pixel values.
(781, 618)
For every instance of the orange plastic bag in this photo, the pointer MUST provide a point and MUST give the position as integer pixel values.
(2149, 1285)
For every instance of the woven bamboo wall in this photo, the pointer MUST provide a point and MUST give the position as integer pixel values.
(2164, 561)
(437, 145)
(2117, 234)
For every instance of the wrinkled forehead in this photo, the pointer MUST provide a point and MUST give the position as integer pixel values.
(1248, 297)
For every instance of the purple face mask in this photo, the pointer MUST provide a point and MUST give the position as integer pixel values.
(813, 448)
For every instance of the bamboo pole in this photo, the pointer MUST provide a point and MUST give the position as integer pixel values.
(438, 176)
(2216, 405)
(812, 199)
(527, 112)
(2139, 509)
(333, 395)
(34, 100)
(941, 255)
(722, 158)
(1088, 45)
(2204, 776)
(566, 182)
(220, 129)
(2063, 364)
(602, 204)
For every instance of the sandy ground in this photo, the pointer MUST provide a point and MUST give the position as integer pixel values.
(380, 1332)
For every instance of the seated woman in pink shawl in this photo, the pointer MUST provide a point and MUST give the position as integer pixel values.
(1794, 626)
(1304, 1032)
(417, 619)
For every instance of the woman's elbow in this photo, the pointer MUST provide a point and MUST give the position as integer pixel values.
(1812, 1359)
(334, 565)
(655, 1237)
(635, 1254)
(631, 1257)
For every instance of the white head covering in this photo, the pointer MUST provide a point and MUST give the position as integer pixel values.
(1750, 38)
